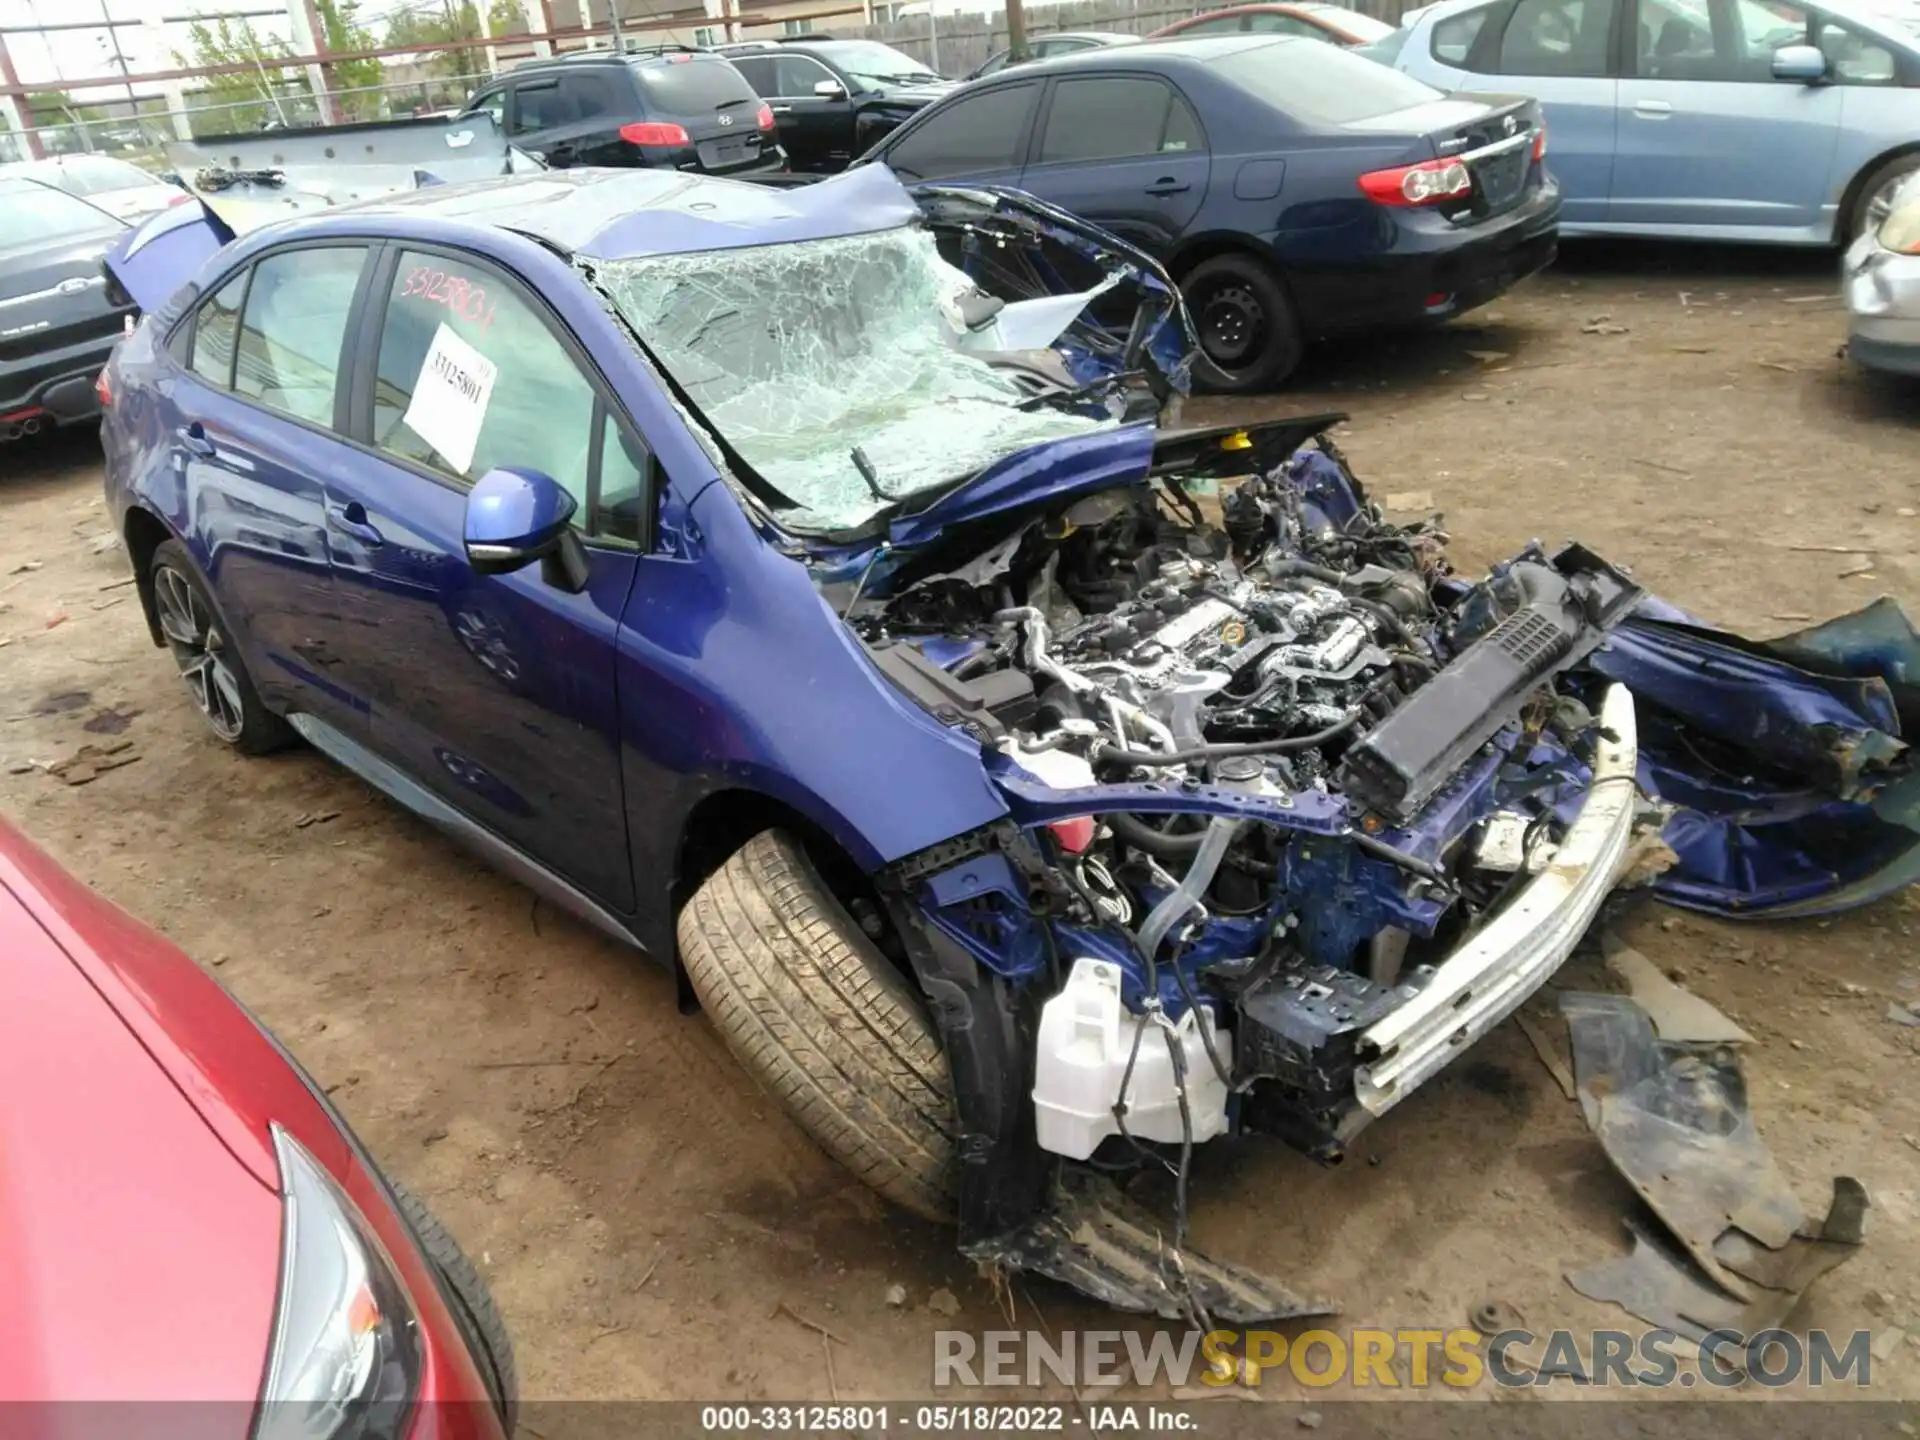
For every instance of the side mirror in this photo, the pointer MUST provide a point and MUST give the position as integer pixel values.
(1803, 63)
(516, 516)
(829, 89)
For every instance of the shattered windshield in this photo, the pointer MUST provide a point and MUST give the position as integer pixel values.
(803, 354)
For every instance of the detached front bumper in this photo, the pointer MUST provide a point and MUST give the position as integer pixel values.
(1488, 977)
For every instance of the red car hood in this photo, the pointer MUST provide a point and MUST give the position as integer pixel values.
(138, 1255)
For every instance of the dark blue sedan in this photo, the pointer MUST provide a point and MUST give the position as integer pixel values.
(1294, 190)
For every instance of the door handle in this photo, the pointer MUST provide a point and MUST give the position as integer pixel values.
(193, 439)
(781, 109)
(351, 519)
(1167, 185)
(1652, 109)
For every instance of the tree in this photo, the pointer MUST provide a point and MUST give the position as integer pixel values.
(507, 17)
(242, 100)
(439, 25)
(341, 31)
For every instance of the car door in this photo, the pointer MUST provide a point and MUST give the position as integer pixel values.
(253, 413)
(979, 135)
(496, 692)
(1563, 52)
(1708, 139)
(1125, 151)
(822, 125)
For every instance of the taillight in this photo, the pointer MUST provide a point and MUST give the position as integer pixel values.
(103, 387)
(653, 132)
(765, 118)
(1540, 142)
(1427, 183)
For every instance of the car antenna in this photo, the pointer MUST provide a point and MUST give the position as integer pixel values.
(869, 474)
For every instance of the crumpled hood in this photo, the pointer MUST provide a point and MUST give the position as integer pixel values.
(1077, 465)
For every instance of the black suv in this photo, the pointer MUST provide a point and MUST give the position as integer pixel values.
(672, 108)
(834, 99)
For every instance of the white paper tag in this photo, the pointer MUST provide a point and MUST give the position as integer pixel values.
(450, 398)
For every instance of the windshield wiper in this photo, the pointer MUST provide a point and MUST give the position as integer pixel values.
(870, 475)
(1088, 391)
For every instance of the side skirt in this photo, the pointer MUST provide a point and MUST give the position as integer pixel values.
(397, 786)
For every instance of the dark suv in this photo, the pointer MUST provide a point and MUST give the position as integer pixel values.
(669, 108)
(835, 98)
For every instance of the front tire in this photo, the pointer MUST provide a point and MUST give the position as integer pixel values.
(1249, 335)
(817, 1015)
(209, 660)
(474, 1310)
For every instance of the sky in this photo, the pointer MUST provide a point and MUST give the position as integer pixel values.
(66, 58)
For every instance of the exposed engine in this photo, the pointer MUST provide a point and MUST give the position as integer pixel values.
(1136, 639)
(1303, 653)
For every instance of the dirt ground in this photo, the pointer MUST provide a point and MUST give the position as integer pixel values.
(642, 1210)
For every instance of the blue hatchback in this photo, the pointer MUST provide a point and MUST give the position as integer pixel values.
(1760, 120)
(796, 583)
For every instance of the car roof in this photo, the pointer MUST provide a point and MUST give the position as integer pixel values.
(576, 59)
(1155, 54)
(639, 212)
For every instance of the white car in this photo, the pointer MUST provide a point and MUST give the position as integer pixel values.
(1882, 278)
(123, 190)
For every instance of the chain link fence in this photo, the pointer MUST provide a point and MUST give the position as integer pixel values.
(141, 128)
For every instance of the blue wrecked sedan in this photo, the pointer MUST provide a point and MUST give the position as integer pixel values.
(800, 586)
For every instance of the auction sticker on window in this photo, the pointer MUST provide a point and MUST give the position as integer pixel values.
(450, 398)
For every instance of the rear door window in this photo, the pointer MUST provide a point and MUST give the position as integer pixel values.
(592, 94)
(214, 328)
(1109, 117)
(541, 105)
(292, 329)
(1558, 37)
(759, 73)
(975, 133)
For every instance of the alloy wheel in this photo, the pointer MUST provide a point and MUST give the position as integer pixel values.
(1880, 206)
(200, 651)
